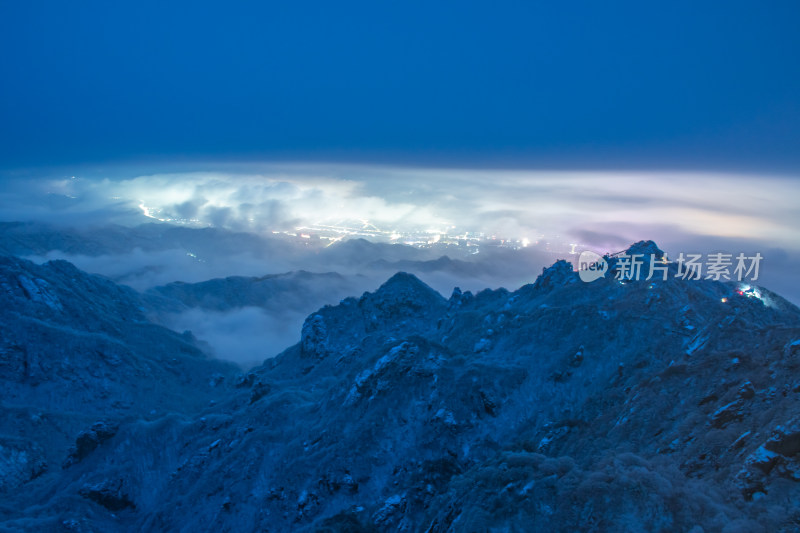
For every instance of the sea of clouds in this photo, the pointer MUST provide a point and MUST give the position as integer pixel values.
(603, 211)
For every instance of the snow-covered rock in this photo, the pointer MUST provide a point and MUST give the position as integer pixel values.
(561, 406)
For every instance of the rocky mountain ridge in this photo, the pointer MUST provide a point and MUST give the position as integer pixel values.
(628, 406)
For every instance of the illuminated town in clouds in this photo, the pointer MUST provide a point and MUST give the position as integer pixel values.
(447, 238)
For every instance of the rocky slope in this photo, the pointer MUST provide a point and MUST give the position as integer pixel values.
(639, 406)
(78, 357)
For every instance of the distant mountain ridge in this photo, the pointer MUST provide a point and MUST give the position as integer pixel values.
(36, 238)
(274, 290)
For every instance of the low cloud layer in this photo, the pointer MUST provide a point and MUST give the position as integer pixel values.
(246, 336)
(515, 204)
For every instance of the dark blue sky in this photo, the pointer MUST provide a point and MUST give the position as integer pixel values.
(537, 84)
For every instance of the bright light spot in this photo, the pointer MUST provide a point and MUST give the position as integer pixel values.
(750, 291)
(724, 300)
(753, 292)
(145, 210)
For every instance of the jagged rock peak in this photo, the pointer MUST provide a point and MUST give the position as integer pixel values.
(645, 248)
(558, 274)
(404, 283)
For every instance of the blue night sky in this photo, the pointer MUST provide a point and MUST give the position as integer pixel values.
(547, 84)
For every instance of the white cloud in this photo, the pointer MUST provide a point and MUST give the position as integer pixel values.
(683, 212)
(510, 203)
